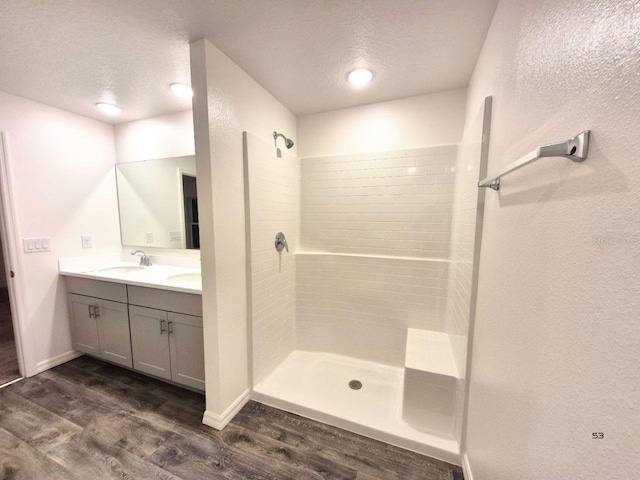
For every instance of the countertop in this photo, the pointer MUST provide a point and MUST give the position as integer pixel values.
(185, 271)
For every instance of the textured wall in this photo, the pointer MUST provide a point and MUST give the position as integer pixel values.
(227, 102)
(387, 203)
(557, 337)
(274, 200)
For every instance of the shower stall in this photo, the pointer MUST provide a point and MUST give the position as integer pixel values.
(363, 322)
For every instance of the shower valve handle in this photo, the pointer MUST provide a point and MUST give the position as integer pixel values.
(281, 242)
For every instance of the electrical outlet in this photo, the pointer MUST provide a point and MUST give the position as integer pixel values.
(86, 241)
(36, 245)
(149, 237)
(174, 236)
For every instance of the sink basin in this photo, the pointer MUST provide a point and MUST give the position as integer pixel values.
(185, 278)
(127, 269)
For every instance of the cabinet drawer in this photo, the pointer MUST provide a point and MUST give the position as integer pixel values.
(179, 302)
(116, 292)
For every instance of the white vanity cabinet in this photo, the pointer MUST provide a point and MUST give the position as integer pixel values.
(101, 327)
(168, 345)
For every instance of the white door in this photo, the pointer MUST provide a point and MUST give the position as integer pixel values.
(150, 341)
(84, 328)
(113, 328)
(187, 350)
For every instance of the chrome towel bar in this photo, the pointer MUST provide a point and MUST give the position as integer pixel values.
(575, 149)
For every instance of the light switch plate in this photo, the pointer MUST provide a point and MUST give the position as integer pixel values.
(86, 241)
(174, 236)
(36, 245)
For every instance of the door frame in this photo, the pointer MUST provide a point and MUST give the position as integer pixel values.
(183, 172)
(9, 235)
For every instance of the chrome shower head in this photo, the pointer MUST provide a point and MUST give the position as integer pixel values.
(287, 141)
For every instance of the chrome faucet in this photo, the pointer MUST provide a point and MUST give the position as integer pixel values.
(145, 260)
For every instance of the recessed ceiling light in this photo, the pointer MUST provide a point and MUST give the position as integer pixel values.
(183, 91)
(109, 109)
(361, 76)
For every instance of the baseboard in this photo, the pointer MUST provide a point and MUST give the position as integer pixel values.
(57, 360)
(466, 468)
(220, 421)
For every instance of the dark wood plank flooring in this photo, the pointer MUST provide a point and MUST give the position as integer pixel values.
(8, 355)
(90, 420)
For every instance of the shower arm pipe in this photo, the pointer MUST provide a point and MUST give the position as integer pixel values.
(575, 149)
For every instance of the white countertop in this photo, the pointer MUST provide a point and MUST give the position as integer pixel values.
(178, 274)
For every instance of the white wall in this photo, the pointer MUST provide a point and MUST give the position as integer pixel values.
(556, 342)
(274, 206)
(62, 173)
(226, 102)
(434, 119)
(164, 136)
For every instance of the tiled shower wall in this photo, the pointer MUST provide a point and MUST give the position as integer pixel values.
(361, 306)
(274, 199)
(389, 203)
(386, 218)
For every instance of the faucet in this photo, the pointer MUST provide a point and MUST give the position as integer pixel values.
(145, 260)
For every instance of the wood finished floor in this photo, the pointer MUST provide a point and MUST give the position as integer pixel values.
(90, 420)
(8, 355)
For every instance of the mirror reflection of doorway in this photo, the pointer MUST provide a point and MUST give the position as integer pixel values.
(9, 369)
(192, 229)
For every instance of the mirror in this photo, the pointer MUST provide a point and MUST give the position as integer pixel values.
(158, 203)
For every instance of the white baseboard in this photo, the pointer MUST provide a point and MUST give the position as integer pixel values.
(466, 468)
(220, 421)
(57, 360)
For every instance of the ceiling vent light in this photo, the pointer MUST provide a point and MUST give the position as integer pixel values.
(109, 109)
(181, 90)
(360, 77)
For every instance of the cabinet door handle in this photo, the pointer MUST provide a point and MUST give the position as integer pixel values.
(91, 311)
(162, 329)
(170, 327)
(97, 311)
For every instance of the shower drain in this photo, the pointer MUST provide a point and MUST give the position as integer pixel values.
(355, 384)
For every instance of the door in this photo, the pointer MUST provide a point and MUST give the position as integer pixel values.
(150, 341)
(113, 331)
(84, 331)
(187, 350)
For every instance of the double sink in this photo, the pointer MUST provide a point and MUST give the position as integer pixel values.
(180, 277)
(153, 274)
(179, 274)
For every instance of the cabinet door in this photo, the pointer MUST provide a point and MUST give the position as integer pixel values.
(187, 350)
(84, 328)
(150, 341)
(113, 330)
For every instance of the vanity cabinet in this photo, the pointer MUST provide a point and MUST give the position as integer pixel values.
(168, 345)
(101, 328)
(139, 327)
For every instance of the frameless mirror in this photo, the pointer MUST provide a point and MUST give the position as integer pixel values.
(158, 203)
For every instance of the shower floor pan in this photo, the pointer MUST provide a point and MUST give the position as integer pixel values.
(316, 385)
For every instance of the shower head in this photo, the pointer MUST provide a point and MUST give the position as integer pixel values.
(287, 141)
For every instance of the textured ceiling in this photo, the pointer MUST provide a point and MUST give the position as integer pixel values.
(74, 53)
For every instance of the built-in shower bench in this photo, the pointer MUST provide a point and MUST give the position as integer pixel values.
(430, 378)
